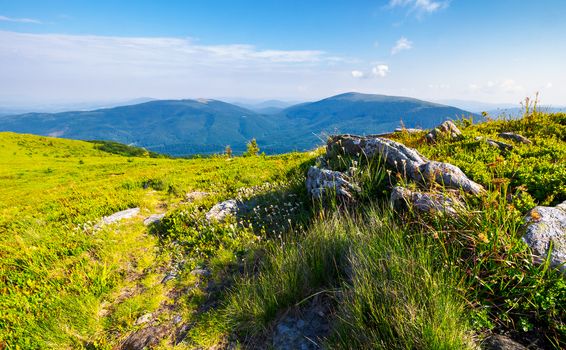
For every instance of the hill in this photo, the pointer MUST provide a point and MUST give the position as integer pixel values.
(283, 269)
(183, 127)
(175, 127)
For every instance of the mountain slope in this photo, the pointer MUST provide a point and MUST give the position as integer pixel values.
(176, 127)
(181, 127)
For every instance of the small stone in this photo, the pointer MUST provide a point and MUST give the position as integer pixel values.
(143, 319)
(447, 130)
(121, 215)
(223, 210)
(515, 137)
(153, 219)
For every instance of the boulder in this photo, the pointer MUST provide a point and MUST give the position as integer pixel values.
(501, 342)
(121, 215)
(546, 226)
(407, 161)
(323, 182)
(515, 137)
(445, 130)
(153, 219)
(449, 176)
(221, 211)
(425, 202)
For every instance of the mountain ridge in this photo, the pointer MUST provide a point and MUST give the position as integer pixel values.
(193, 126)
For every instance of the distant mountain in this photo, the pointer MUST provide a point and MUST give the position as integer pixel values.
(182, 127)
(266, 107)
(358, 113)
(168, 126)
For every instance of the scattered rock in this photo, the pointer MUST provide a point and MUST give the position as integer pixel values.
(545, 226)
(409, 130)
(143, 319)
(321, 182)
(497, 144)
(201, 272)
(153, 219)
(195, 195)
(221, 211)
(121, 215)
(425, 202)
(515, 137)
(447, 129)
(407, 161)
(145, 338)
(303, 330)
(168, 277)
(501, 342)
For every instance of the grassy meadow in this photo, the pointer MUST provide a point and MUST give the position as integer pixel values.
(388, 280)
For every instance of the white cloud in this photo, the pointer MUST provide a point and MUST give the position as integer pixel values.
(81, 67)
(381, 70)
(378, 71)
(19, 20)
(420, 7)
(358, 74)
(402, 44)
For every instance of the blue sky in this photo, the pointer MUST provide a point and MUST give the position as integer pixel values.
(491, 51)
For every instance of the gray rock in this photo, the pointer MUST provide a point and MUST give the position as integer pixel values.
(445, 130)
(153, 219)
(143, 319)
(121, 215)
(501, 342)
(515, 137)
(201, 272)
(409, 130)
(426, 202)
(497, 144)
(323, 182)
(407, 161)
(304, 330)
(546, 226)
(448, 175)
(223, 210)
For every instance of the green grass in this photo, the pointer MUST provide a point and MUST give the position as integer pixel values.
(55, 270)
(394, 280)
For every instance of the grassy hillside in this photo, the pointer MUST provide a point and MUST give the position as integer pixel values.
(379, 278)
(55, 271)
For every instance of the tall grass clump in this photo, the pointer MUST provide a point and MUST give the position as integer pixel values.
(393, 286)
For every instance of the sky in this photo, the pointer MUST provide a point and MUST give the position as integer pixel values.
(483, 50)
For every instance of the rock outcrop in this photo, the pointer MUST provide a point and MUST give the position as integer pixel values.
(447, 130)
(425, 202)
(501, 342)
(323, 182)
(545, 229)
(515, 137)
(121, 215)
(407, 161)
(221, 211)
